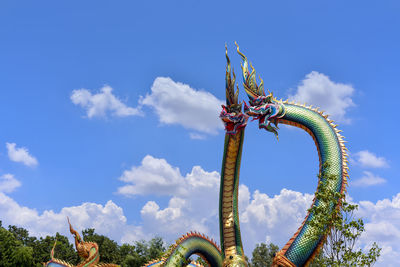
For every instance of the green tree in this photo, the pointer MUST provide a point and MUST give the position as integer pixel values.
(342, 229)
(63, 250)
(141, 252)
(22, 256)
(13, 252)
(22, 235)
(263, 255)
(130, 258)
(17, 248)
(156, 248)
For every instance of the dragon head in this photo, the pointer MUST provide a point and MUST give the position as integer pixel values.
(79, 244)
(264, 108)
(233, 119)
(231, 114)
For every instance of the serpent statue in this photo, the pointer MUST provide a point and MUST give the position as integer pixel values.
(89, 251)
(301, 249)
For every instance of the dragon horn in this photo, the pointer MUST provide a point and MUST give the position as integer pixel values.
(249, 78)
(78, 238)
(231, 95)
(52, 250)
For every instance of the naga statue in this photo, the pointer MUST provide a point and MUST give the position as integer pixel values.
(88, 251)
(301, 249)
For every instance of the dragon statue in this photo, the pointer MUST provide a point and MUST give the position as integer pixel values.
(301, 249)
(88, 251)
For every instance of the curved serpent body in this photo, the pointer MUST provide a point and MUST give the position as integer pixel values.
(301, 248)
(187, 245)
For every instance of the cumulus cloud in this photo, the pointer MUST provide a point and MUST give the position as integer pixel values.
(20, 155)
(368, 179)
(193, 203)
(107, 219)
(370, 160)
(102, 103)
(262, 218)
(194, 206)
(382, 226)
(8, 183)
(319, 90)
(261, 215)
(154, 176)
(178, 103)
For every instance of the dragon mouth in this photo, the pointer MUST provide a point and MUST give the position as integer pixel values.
(233, 122)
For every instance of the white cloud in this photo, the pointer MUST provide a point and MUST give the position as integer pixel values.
(382, 226)
(369, 159)
(107, 219)
(317, 89)
(193, 205)
(197, 136)
(263, 217)
(100, 104)
(178, 103)
(368, 179)
(20, 155)
(8, 183)
(154, 176)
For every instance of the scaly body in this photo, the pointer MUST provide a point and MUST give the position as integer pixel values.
(186, 246)
(303, 246)
(228, 205)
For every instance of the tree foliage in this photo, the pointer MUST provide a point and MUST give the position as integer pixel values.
(337, 223)
(342, 229)
(18, 248)
(13, 252)
(108, 249)
(263, 255)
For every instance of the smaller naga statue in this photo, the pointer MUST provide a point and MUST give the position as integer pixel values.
(88, 251)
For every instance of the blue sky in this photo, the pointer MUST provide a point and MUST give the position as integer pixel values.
(109, 113)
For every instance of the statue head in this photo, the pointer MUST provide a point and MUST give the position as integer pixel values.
(231, 114)
(264, 108)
